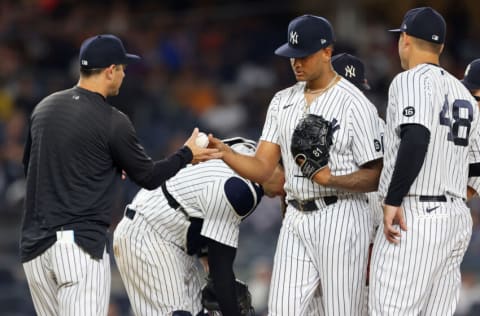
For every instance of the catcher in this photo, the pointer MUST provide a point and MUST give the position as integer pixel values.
(196, 213)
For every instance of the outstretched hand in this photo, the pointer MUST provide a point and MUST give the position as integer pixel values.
(393, 215)
(216, 143)
(201, 154)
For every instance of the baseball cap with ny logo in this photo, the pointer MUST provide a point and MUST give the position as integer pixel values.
(306, 35)
(351, 68)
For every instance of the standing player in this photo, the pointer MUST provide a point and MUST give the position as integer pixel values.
(471, 80)
(323, 242)
(432, 121)
(78, 145)
(352, 68)
(154, 243)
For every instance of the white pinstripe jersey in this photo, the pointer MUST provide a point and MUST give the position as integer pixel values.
(474, 156)
(200, 190)
(355, 143)
(428, 95)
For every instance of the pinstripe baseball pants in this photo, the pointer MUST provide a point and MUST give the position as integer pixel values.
(158, 275)
(65, 280)
(421, 275)
(320, 261)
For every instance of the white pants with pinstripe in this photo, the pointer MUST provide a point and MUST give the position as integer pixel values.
(421, 275)
(320, 261)
(158, 275)
(65, 280)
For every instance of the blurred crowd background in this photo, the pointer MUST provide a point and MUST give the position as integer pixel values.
(206, 63)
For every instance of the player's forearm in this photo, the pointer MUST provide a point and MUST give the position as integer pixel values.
(257, 168)
(473, 187)
(248, 167)
(363, 180)
(471, 192)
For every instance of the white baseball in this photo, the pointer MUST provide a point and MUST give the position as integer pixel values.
(202, 140)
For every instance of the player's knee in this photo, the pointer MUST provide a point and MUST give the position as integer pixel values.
(181, 313)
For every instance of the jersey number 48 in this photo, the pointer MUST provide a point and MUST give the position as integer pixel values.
(462, 116)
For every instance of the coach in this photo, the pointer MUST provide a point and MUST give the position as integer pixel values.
(77, 146)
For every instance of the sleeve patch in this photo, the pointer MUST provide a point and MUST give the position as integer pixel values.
(409, 111)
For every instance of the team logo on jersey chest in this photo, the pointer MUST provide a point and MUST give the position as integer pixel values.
(409, 111)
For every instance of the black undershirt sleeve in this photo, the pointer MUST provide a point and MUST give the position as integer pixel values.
(474, 170)
(411, 155)
(130, 156)
(220, 261)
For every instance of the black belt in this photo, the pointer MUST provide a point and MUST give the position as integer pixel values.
(170, 199)
(310, 205)
(432, 198)
(130, 213)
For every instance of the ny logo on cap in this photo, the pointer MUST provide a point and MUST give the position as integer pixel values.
(350, 71)
(84, 62)
(294, 37)
(435, 37)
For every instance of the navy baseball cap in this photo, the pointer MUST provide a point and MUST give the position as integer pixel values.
(306, 35)
(101, 51)
(424, 23)
(352, 69)
(471, 79)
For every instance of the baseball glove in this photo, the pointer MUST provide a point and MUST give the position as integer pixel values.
(311, 143)
(244, 298)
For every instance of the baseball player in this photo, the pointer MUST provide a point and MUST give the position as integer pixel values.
(471, 81)
(156, 242)
(430, 137)
(78, 144)
(323, 242)
(352, 68)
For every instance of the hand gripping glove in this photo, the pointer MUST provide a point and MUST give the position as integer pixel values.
(244, 298)
(311, 143)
